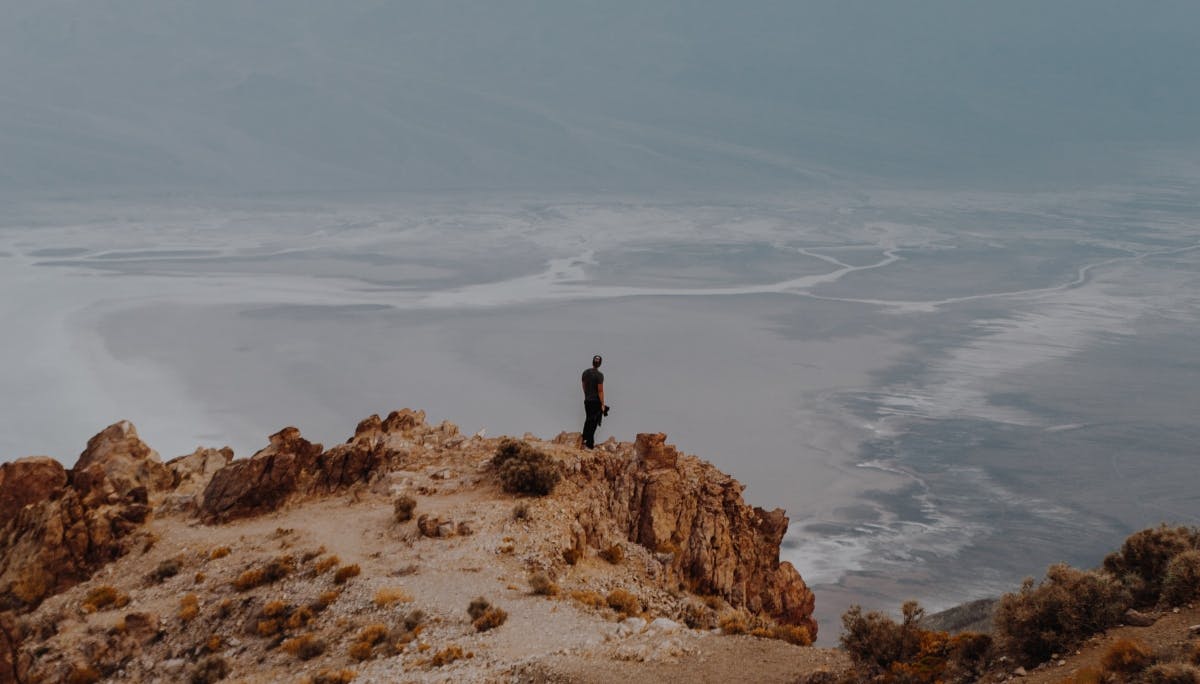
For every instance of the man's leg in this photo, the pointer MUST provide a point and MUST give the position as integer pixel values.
(592, 408)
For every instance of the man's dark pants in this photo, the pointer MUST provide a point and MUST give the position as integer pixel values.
(592, 408)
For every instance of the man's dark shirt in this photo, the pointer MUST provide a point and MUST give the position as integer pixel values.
(592, 379)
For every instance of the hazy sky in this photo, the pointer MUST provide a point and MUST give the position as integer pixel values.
(295, 95)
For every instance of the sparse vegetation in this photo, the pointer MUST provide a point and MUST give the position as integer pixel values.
(524, 469)
(325, 564)
(1127, 657)
(386, 596)
(1181, 583)
(734, 623)
(334, 677)
(448, 655)
(273, 571)
(591, 599)
(491, 619)
(613, 553)
(304, 647)
(478, 607)
(300, 618)
(541, 584)
(571, 556)
(1049, 618)
(1142, 561)
(404, 507)
(212, 669)
(368, 637)
(165, 570)
(904, 652)
(1171, 673)
(625, 603)
(274, 609)
(219, 552)
(520, 511)
(189, 607)
(326, 599)
(104, 597)
(346, 572)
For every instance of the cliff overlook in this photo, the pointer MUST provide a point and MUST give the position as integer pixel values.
(403, 554)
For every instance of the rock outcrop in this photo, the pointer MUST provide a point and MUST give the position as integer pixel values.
(693, 515)
(26, 481)
(190, 476)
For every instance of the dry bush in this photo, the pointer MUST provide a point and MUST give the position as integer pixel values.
(404, 507)
(345, 572)
(541, 584)
(366, 640)
(360, 650)
(189, 607)
(199, 578)
(300, 618)
(1066, 607)
(333, 677)
(477, 607)
(304, 647)
(733, 623)
(212, 669)
(1127, 656)
(273, 571)
(104, 597)
(213, 644)
(309, 555)
(1171, 673)
(326, 599)
(448, 655)
(524, 469)
(1085, 675)
(793, 634)
(325, 564)
(613, 554)
(696, 615)
(225, 608)
(520, 511)
(273, 609)
(623, 602)
(266, 628)
(1181, 583)
(165, 570)
(876, 641)
(386, 596)
(414, 619)
(1144, 556)
(591, 599)
(219, 552)
(903, 652)
(571, 556)
(490, 619)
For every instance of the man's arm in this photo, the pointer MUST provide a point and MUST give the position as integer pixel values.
(600, 391)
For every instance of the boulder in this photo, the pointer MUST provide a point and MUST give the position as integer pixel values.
(262, 482)
(117, 462)
(190, 476)
(29, 480)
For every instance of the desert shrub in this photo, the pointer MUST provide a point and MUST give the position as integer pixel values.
(696, 615)
(524, 469)
(386, 596)
(326, 599)
(490, 619)
(219, 552)
(404, 507)
(1181, 583)
(613, 554)
(541, 584)
(213, 643)
(591, 599)
(1171, 673)
(1127, 656)
(571, 556)
(414, 619)
(189, 607)
(623, 602)
(1038, 621)
(212, 669)
(520, 511)
(793, 634)
(199, 578)
(308, 556)
(325, 564)
(345, 572)
(373, 634)
(734, 623)
(1144, 557)
(273, 609)
(1085, 675)
(266, 628)
(877, 641)
(165, 570)
(448, 655)
(333, 677)
(103, 597)
(477, 607)
(300, 618)
(304, 647)
(360, 650)
(273, 571)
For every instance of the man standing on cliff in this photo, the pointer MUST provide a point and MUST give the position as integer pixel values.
(593, 401)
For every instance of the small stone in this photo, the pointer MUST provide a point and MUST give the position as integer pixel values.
(174, 665)
(1194, 629)
(663, 624)
(1019, 672)
(1137, 618)
(1061, 663)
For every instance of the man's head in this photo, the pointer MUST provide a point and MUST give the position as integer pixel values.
(596, 361)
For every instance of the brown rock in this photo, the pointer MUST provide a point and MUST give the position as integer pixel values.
(13, 663)
(404, 420)
(141, 627)
(29, 480)
(115, 463)
(261, 483)
(1137, 618)
(190, 475)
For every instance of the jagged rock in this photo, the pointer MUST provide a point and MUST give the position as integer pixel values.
(1137, 619)
(117, 462)
(1194, 630)
(433, 526)
(141, 627)
(14, 664)
(29, 480)
(671, 503)
(404, 420)
(190, 475)
(261, 483)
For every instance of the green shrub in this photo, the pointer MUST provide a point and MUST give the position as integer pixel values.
(1038, 621)
(524, 469)
(1144, 556)
(1181, 583)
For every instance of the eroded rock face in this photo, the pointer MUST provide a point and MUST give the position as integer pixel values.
(116, 462)
(262, 482)
(190, 476)
(13, 663)
(29, 480)
(694, 516)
